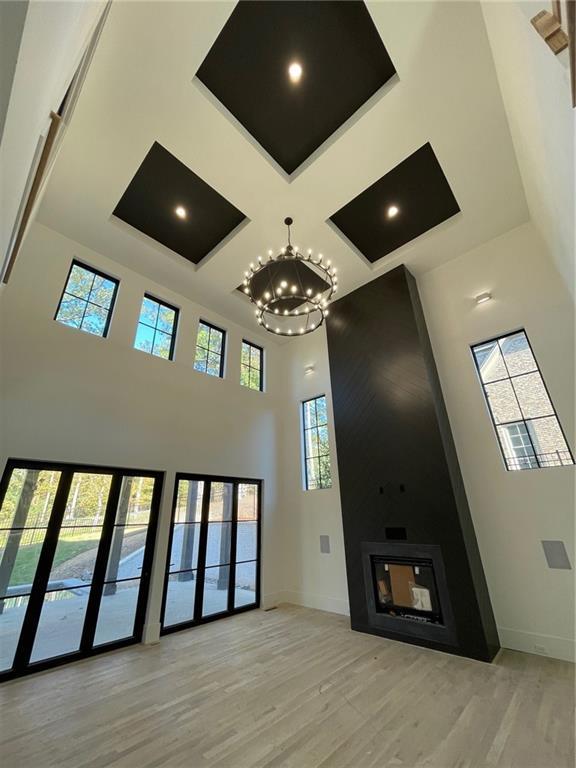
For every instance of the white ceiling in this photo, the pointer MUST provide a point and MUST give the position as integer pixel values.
(141, 89)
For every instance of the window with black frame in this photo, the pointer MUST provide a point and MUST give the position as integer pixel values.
(526, 424)
(156, 332)
(251, 366)
(317, 469)
(214, 553)
(88, 300)
(210, 346)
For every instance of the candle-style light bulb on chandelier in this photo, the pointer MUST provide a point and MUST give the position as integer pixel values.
(291, 291)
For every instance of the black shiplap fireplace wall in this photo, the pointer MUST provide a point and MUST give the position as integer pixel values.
(396, 458)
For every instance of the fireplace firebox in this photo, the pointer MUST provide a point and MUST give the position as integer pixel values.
(406, 590)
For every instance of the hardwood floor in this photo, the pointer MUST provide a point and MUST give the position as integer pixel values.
(294, 688)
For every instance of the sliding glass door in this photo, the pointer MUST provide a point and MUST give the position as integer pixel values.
(76, 545)
(213, 564)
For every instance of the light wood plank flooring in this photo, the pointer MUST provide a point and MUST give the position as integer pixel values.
(294, 688)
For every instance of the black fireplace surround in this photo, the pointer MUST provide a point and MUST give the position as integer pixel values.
(420, 605)
(412, 560)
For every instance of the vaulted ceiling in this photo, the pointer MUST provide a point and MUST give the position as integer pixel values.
(428, 132)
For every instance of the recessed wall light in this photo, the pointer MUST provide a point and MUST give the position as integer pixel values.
(295, 72)
(483, 297)
(392, 211)
(180, 212)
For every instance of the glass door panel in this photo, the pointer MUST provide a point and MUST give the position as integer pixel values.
(218, 544)
(183, 554)
(245, 591)
(67, 592)
(126, 552)
(216, 583)
(24, 515)
(220, 508)
(117, 613)
(248, 501)
(138, 493)
(61, 623)
(247, 541)
(125, 562)
(184, 548)
(216, 572)
(189, 501)
(247, 546)
(180, 598)
(75, 554)
(11, 620)
(75, 557)
(86, 502)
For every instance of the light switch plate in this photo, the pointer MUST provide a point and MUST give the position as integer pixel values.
(324, 544)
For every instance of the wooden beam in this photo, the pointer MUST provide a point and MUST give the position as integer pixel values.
(35, 188)
(548, 27)
(571, 27)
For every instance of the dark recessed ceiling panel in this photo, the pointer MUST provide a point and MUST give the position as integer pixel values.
(295, 273)
(408, 201)
(342, 59)
(163, 186)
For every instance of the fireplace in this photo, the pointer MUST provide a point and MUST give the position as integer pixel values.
(403, 498)
(406, 590)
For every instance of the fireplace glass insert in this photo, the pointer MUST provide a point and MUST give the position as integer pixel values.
(406, 589)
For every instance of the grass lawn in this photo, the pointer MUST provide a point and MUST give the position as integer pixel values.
(27, 560)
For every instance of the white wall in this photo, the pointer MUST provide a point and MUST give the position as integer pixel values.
(71, 396)
(53, 41)
(535, 87)
(311, 578)
(512, 511)
(12, 17)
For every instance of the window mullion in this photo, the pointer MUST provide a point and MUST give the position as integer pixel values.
(87, 301)
(517, 402)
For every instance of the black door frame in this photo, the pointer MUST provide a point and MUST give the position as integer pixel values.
(21, 663)
(202, 543)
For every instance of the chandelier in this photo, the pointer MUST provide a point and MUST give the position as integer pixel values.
(291, 291)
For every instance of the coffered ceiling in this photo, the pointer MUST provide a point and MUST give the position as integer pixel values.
(433, 86)
(292, 73)
(171, 204)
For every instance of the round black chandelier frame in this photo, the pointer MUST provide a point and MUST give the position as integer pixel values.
(290, 308)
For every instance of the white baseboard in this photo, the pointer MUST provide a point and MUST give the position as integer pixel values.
(543, 645)
(320, 602)
(273, 599)
(517, 640)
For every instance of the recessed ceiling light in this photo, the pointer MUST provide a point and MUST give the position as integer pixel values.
(180, 212)
(392, 211)
(295, 72)
(483, 297)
